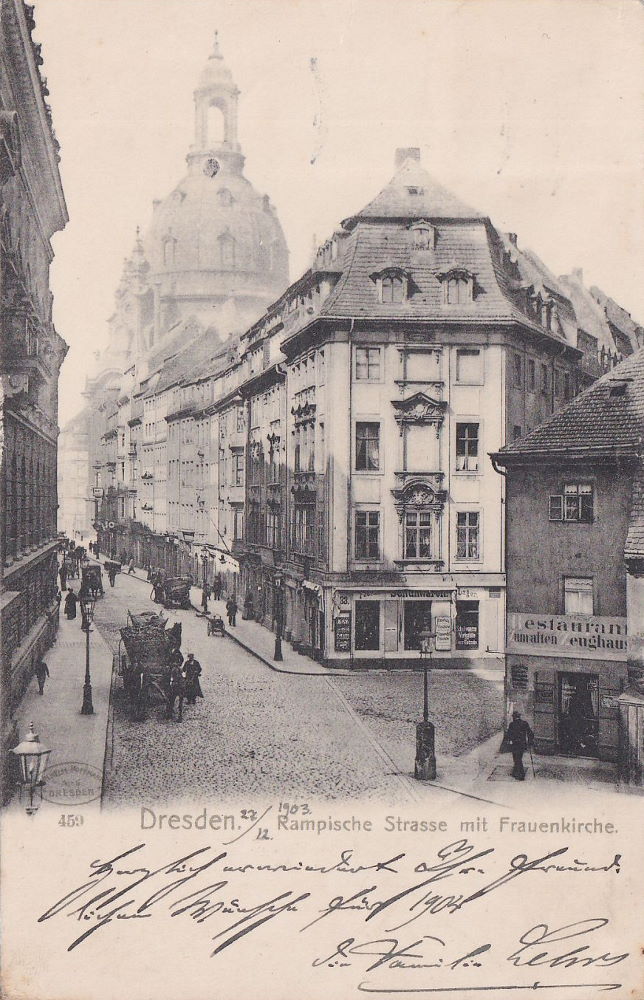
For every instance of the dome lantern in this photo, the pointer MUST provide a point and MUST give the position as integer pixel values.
(216, 98)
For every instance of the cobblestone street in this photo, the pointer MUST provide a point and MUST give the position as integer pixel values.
(258, 733)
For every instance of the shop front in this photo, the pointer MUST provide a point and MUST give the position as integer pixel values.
(565, 674)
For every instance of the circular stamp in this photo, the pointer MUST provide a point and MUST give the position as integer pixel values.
(72, 783)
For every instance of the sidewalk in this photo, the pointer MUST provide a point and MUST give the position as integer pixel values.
(75, 768)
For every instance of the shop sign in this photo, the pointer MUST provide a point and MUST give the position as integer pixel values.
(342, 624)
(586, 637)
(428, 595)
(519, 675)
(467, 636)
(443, 625)
(467, 594)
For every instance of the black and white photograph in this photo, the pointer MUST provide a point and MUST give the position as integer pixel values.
(322, 487)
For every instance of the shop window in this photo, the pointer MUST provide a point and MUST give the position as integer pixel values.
(578, 595)
(576, 503)
(468, 534)
(367, 447)
(469, 367)
(467, 624)
(417, 620)
(418, 534)
(367, 534)
(367, 625)
(467, 447)
(368, 364)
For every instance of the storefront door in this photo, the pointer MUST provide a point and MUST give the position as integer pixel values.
(418, 619)
(578, 714)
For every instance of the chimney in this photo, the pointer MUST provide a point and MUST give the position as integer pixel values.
(406, 153)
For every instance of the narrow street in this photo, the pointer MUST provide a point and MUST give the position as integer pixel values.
(259, 733)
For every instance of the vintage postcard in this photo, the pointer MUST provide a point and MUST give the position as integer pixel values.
(322, 485)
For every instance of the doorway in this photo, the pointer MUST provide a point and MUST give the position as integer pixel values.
(578, 714)
(418, 619)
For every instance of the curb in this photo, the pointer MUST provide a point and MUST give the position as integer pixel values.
(268, 663)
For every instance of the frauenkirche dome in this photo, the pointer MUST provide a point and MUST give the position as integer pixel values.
(215, 240)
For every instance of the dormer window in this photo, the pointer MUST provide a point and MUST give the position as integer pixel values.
(392, 284)
(423, 236)
(458, 286)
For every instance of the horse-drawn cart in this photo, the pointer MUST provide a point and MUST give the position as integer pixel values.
(150, 663)
(173, 592)
(92, 580)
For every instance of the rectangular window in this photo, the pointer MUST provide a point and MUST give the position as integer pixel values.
(517, 371)
(575, 504)
(240, 419)
(467, 447)
(367, 534)
(578, 595)
(469, 367)
(238, 524)
(367, 627)
(418, 535)
(368, 364)
(467, 624)
(238, 468)
(467, 534)
(532, 377)
(367, 447)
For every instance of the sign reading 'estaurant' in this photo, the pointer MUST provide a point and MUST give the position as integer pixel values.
(588, 637)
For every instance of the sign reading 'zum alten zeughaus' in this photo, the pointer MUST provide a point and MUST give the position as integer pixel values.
(587, 637)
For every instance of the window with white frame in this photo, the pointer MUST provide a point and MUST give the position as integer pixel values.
(576, 504)
(392, 288)
(367, 446)
(368, 364)
(457, 289)
(468, 526)
(467, 447)
(578, 595)
(367, 534)
(418, 534)
(469, 366)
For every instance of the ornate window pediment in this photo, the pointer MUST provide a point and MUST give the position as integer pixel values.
(419, 494)
(458, 284)
(419, 409)
(393, 283)
(423, 235)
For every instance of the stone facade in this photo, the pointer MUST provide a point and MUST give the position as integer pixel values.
(32, 209)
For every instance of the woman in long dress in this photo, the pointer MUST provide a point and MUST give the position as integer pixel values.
(71, 601)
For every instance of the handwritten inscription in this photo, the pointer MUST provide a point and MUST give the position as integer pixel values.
(393, 924)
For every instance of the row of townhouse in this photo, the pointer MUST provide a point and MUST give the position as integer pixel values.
(331, 464)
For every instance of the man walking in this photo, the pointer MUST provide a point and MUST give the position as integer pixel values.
(231, 610)
(62, 573)
(520, 738)
(205, 591)
(42, 672)
(130, 566)
(192, 672)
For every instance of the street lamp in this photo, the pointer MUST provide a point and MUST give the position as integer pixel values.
(425, 766)
(87, 604)
(277, 655)
(32, 758)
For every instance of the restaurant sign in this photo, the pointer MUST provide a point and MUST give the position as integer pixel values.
(586, 637)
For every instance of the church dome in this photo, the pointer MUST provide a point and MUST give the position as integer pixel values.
(215, 238)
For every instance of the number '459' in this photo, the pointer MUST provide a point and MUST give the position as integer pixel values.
(70, 819)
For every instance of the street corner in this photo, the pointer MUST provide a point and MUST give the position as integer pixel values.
(72, 783)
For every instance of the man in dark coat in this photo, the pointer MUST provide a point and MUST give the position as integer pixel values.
(231, 610)
(62, 573)
(192, 672)
(42, 672)
(520, 738)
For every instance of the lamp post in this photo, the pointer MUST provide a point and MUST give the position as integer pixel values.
(279, 622)
(87, 604)
(425, 766)
(32, 758)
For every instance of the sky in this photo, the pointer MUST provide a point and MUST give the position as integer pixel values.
(531, 111)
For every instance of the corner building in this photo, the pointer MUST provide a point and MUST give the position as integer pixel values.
(420, 340)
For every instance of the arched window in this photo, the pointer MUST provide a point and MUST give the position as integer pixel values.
(392, 288)
(226, 250)
(458, 291)
(215, 126)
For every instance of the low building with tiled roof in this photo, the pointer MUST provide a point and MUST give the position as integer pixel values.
(575, 571)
